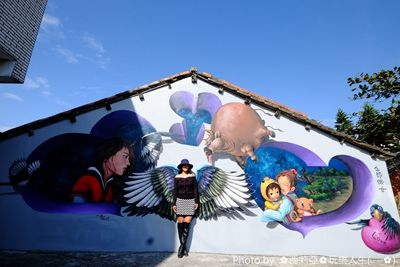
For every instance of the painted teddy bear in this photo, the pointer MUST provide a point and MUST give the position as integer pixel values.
(304, 207)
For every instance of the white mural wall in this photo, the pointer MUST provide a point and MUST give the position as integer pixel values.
(339, 187)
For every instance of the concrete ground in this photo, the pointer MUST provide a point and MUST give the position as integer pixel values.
(44, 259)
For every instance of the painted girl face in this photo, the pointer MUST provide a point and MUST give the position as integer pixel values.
(284, 183)
(119, 162)
(273, 194)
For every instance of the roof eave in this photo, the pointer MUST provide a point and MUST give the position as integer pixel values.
(248, 96)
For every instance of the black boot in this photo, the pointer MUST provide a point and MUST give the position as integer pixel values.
(180, 232)
(185, 234)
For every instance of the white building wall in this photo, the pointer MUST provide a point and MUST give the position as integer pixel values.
(26, 229)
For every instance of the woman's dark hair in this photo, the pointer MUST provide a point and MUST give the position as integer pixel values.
(109, 147)
(189, 170)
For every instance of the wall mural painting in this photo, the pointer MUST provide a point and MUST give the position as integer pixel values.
(238, 130)
(220, 193)
(71, 168)
(195, 113)
(294, 187)
(380, 232)
(307, 192)
(113, 170)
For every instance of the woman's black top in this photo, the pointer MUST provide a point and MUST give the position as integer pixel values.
(186, 188)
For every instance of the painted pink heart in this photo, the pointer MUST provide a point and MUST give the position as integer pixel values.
(377, 238)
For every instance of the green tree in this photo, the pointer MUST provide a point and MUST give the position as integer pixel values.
(343, 122)
(382, 85)
(379, 127)
(367, 129)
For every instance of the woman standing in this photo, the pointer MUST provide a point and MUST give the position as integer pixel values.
(186, 201)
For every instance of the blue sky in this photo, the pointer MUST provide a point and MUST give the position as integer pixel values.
(298, 53)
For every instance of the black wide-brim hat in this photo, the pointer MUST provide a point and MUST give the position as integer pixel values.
(185, 162)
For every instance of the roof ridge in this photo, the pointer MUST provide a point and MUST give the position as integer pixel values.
(247, 95)
(247, 92)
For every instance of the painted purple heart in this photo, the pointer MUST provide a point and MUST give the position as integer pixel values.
(179, 133)
(195, 111)
(358, 202)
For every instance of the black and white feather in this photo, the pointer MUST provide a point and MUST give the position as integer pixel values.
(220, 193)
(18, 171)
(21, 172)
(149, 148)
(149, 192)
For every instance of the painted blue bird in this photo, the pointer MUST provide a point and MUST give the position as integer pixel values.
(381, 232)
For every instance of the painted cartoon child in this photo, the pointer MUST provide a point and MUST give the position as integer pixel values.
(287, 180)
(271, 192)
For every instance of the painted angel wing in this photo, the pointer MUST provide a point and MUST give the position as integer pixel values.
(222, 193)
(150, 149)
(149, 192)
(20, 172)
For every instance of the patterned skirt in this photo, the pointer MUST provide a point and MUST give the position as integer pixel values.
(185, 207)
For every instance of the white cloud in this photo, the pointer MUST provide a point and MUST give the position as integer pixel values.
(37, 82)
(12, 97)
(59, 102)
(42, 81)
(97, 47)
(101, 62)
(86, 90)
(46, 93)
(95, 53)
(52, 28)
(41, 85)
(92, 43)
(50, 21)
(68, 55)
(31, 84)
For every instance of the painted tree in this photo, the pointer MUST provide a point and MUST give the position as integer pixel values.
(379, 127)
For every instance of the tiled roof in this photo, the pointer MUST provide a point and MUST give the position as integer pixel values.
(248, 97)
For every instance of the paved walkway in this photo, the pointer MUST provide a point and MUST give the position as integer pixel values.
(44, 259)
